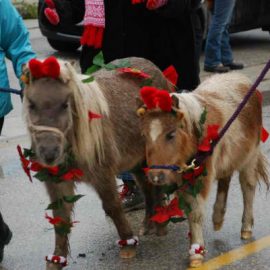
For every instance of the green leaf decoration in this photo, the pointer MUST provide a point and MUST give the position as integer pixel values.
(72, 199)
(88, 80)
(28, 153)
(63, 229)
(92, 69)
(176, 220)
(99, 59)
(55, 205)
(183, 204)
(169, 189)
(202, 122)
(147, 82)
(110, 66)
(123, 63)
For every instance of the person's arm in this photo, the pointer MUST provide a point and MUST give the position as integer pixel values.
(14, 37)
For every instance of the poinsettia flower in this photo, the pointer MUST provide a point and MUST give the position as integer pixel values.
(25, 163)
(135, 72)
(191, 176)
(72, 174)
(212, 134)
(165, 213)
(171, 74)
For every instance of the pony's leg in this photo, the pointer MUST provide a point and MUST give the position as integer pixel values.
(196, 219)
(221, 201)
(153, 197)
(248, 183)
(57, 191)
(113, 208)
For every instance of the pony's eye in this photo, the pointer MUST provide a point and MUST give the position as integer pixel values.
(65, 105)
(170, 135)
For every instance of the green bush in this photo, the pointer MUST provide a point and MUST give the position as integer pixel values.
(27, 11)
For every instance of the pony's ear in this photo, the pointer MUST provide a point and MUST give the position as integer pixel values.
(65, 72)
(175, 102)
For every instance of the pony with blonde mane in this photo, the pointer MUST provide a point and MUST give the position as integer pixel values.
(57, 116)
(172, 139)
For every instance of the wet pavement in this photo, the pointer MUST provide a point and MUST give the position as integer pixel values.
(23, 203)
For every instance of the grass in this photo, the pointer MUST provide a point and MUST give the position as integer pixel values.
(27, 10)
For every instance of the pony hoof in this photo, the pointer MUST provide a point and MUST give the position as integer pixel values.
(245, 235)
(195, 263)
(146, 229)
(53, 266)
(218, 226)
(127, 252)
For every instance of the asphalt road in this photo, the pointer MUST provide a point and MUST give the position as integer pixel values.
(23, 203)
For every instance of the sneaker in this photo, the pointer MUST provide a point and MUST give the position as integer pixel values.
(234, 66)
(132, 198)
(3, 243)
(217, 69)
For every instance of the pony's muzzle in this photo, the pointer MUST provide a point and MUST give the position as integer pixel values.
(49, 154)
(157, 177)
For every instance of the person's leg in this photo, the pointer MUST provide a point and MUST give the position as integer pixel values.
(131, 195)
(220, 18)
(1, 124)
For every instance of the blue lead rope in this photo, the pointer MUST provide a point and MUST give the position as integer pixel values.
(12, 91)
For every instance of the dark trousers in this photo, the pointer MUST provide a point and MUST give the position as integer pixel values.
(1, 124)
(3, 225)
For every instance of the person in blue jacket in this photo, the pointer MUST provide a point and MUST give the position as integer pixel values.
(14, 45)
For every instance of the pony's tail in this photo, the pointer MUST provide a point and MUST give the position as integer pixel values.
(262, 171)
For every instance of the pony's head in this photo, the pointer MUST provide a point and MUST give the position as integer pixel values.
(56, 111)
(168, 131)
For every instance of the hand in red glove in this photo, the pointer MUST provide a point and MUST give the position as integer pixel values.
(51, 13)
(155, 4)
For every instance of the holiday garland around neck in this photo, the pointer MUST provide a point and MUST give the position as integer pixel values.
(65, 172)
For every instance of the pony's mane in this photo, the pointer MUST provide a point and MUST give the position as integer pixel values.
(87, 135)
(191, 107)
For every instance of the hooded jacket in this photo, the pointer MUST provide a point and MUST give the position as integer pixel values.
(14, 45)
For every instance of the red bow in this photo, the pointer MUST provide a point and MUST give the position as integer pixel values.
(48, 68)
(92, 115)
(212, 134)
(153, 98)
(165, 213)
(171, 74)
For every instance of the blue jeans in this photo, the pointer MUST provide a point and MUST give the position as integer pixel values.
(217, 48)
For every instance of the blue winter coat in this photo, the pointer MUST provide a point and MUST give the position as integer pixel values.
(14, 45)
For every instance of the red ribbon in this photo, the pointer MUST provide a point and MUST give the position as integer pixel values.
(48, 68)
(135, 72)
(164, 213)
(92, 115)
(154, 98)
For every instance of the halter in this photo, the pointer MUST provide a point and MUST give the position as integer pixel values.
(176, 168)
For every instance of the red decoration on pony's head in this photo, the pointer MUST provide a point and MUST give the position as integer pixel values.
(153, 98)
(171, 74)
(48, 68)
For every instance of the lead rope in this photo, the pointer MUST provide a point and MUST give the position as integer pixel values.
(201, 156)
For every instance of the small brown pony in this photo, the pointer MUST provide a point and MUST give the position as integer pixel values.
(171, 140)
(57, 118)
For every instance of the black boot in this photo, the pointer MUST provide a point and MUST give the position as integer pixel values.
(5, 236)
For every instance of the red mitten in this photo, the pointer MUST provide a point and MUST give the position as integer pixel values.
(51, 13)
(154, 4)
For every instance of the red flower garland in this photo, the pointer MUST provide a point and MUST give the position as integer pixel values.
(212, 134)
(165, 213)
